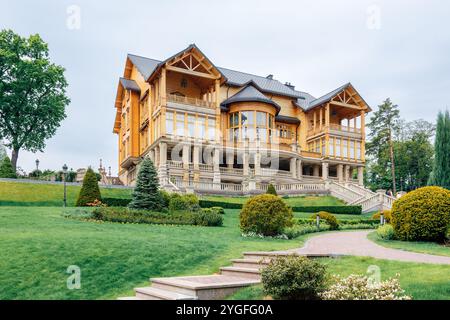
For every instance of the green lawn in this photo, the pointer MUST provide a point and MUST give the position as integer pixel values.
(37, 245)
(292, 201)
(421, 281)
(421, 247)
(29, 194)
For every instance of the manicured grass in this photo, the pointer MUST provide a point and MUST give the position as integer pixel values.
(421, 247)
(37, 245)
(292, 201)
(421, 281)
(29, 194)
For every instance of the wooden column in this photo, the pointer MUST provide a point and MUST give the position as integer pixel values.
(363, 135)
(217, 106)
(163, 92)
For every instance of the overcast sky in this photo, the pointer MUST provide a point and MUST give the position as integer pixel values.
(396, 49)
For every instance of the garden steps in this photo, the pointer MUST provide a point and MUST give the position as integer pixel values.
(153, 293)
(250, 273)
(243, 273)
(267, 256)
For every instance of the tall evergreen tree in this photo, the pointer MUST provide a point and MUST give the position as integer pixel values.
(6, 169)
(383, 124)
(146, 194)
(89, 190)
(441, 167)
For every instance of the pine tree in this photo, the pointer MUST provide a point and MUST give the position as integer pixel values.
(441, 168)
(383, 124)
(89, 190)
(271, 190)
(146, 194)
(6, 169)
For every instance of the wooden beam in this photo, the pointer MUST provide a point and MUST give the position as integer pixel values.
(346, 105)
(192, 73)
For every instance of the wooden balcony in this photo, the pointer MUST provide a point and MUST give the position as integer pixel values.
(190, 101)
(336, 129)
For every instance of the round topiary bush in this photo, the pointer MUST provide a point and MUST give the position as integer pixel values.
(294, 278)
(386, 214)
(328, 218)
(422, 215)
(265, 214)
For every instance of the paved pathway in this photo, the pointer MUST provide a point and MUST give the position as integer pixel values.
(356, 244)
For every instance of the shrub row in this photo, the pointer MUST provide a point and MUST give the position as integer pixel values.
(331, 209)
(125, 215)
(116, 202)
(303, 221)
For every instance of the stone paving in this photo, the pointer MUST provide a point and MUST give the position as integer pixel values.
(356, 243)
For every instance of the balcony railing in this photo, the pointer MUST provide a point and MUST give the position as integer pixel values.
(190, 101)
(337, 128)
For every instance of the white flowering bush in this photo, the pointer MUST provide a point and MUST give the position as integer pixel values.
(359, 287)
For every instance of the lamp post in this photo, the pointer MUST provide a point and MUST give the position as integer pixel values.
(64, 168)
(37, 164)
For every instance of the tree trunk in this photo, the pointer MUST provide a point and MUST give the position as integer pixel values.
(391, 154)
(14, 157)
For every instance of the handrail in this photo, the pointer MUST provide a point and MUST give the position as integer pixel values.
(190, 101)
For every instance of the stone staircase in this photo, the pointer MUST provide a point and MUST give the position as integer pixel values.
(242, 273)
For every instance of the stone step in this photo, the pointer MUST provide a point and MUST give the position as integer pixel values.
(129, 298)
(152, 293)
(250, 263)
(211, 287)
(267, 256)
(250, 273)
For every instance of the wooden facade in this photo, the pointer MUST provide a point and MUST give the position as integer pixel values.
(176, 112)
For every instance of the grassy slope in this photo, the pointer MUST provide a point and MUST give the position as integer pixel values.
(421, 281)
(421, 247)
(29, 194)
(37, 245)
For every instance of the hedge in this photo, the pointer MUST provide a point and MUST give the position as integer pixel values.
(116, 202)
(330, 209)
(309, 209)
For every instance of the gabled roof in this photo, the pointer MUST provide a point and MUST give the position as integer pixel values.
(144, 65)
(128, 84)
(250, 93)
(327, 97)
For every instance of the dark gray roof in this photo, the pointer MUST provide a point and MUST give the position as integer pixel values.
(144, 65)
(250, 93)
(129, 84)
(327, 97)
(147, 66)
(287, 119)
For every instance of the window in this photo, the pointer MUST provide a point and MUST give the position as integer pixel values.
(191, 126)
(358, 150)
(211, 128)
(352, 149)
(201, 127)
(344, 148)
(180, 124)
(250, 124)
(323, 146)
(331, 146)
(169, 122)
(338, 147)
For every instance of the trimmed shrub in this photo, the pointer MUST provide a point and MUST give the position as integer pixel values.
(294, 278)
(422, 215)
(208, 218)
(386, 214)
(116, 202)
(223, 204)
(359, 287)
(386, 232)
(6, 169)
(127, 215)
(298, 230)
(271, 190)
(165, 198)
(265, 214)
(89, 190)
(187, 202)
(218, 210)
(328, 218)
(146, 194)
(331, 209)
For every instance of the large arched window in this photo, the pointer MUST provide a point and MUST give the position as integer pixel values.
(251, 125)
